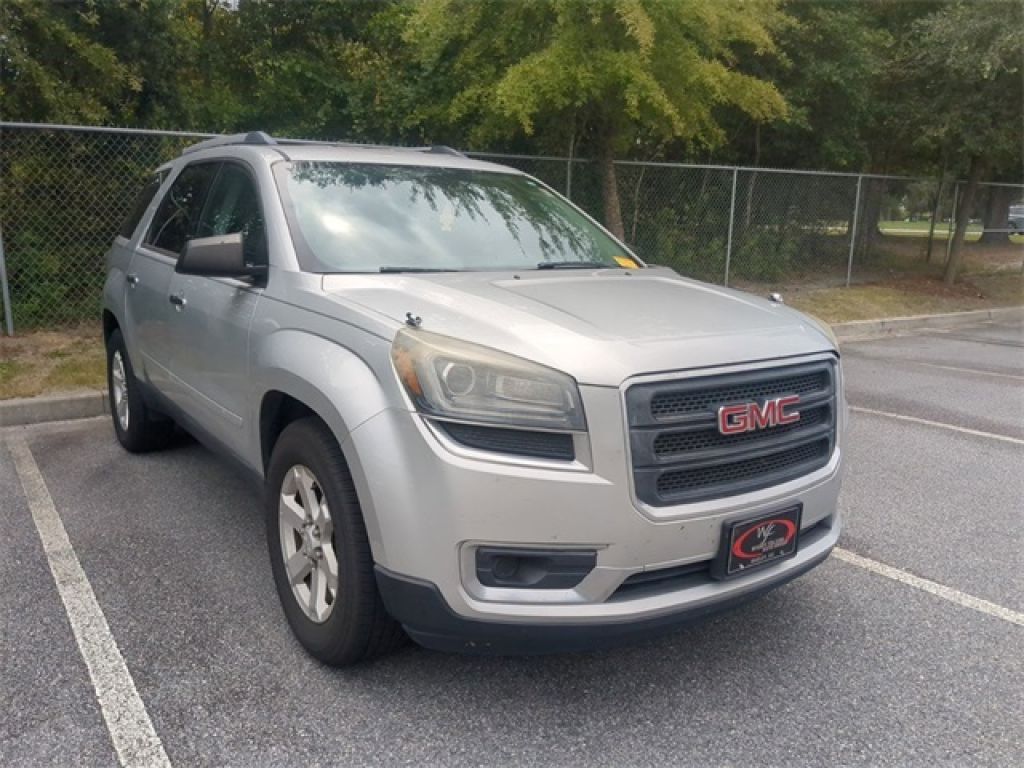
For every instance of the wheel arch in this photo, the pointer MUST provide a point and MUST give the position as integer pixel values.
(277, 410)
(284, 405)
(110, 324)
(303, 375)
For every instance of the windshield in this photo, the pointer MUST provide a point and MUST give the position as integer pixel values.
(347, 217)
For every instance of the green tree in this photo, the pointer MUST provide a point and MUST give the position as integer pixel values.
(52, 69)
(293, 64)
(613, 72)
(965, 61)
(833, 58)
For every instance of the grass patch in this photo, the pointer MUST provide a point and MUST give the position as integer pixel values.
(909, 296)
(48, 362)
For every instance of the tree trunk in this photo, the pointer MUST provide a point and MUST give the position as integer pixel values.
(610, 189)
(935, 215)
(636, 205)
(748, 206)
(963, 212)
(997, 213)
(872, 195)
(209, 7)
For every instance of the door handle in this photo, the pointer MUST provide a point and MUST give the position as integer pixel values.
(178, 300)
(132, 279)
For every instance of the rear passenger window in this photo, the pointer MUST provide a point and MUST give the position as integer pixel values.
(142, 201)
(176, 218)
(233, 206)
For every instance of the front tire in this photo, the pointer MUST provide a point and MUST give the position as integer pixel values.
(137, 426)
(319, 551)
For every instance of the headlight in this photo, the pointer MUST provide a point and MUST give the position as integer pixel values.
(454, 379)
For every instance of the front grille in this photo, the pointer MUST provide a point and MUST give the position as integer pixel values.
(675, 403)
(668, 444)
(517, 442)
(680, 456)
(737, 473)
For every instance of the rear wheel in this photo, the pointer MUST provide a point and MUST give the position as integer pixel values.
(319, 550)
(137, 426)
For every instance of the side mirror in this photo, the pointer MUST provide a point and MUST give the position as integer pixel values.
(218, 256)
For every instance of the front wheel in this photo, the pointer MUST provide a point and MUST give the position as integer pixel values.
(319, 550)
(137, 426)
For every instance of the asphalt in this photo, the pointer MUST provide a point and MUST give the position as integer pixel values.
(842, 667)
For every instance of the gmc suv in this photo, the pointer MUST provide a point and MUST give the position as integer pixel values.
(479, 419)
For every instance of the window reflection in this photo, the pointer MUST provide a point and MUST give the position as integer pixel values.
(361, 217)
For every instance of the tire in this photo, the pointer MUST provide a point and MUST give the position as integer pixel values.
(138, 427)
(351, 625)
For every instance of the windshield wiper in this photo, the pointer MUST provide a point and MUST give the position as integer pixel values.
(573, 265)
(393, 270)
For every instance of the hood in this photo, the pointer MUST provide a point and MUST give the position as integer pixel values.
(600, 326)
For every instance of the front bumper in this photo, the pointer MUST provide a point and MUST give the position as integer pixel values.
(419, 606)
(429, 506)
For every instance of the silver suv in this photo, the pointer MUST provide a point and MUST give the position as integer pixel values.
(479, 419)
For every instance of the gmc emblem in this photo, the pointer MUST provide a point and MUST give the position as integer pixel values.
(734, 419)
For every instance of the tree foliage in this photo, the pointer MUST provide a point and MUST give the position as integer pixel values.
(54, 68)
(613, 72)
(965, 62)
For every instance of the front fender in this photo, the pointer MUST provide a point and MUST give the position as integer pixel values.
(332, 380)
(339, 384)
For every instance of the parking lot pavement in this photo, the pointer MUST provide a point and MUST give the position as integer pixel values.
(970, 377)
(842, 667)
(48, 714)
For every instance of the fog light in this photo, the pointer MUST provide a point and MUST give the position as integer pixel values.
(505, 567)
(515, 568)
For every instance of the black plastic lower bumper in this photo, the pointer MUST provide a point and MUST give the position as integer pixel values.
(420, 608)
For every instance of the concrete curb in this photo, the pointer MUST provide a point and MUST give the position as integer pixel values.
(34, 410)
(861, 329)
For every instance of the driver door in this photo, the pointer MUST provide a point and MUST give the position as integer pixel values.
(210, 354)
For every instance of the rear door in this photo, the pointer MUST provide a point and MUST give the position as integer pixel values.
(210, 352)
(149, 312)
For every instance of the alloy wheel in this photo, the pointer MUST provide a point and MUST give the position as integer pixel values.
(120, 387)
(307, 543)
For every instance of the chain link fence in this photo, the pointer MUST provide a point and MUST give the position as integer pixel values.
(63, 195)
(64, 191)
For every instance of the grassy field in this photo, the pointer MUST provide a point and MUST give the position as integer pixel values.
(51, 361)
(909, 296)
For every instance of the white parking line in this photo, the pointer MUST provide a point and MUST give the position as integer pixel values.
(974, 371)
(932, 587)
(131, 730)
(939, 424)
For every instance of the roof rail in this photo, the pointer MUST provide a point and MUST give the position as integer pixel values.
(441, 149)
(261, 138)
(252, 137)
(436, 149)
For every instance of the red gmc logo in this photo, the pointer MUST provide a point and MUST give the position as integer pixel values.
(734, 419)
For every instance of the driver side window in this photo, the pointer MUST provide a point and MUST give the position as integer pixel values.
(175, 219)
(234, 206)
